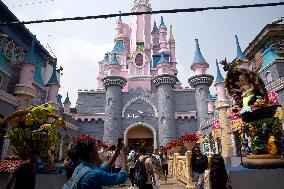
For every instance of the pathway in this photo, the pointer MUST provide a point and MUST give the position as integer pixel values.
(170, 184)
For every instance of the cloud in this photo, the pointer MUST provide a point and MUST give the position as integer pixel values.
(79, 59)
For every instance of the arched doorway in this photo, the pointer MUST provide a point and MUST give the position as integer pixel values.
(140, 134)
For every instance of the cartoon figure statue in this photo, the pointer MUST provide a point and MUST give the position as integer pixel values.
(271, 146)
(246, 88)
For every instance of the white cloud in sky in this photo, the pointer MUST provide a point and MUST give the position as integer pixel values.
(79, 59)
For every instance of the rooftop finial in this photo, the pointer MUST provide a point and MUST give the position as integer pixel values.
(155, 28)
(120, 16)
(162, 22)
(219, 77)
(171, 33)
(240, 54)
(198, 56)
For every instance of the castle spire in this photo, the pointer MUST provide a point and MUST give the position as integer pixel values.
(67, 100)
(171, 33)
(198, 58)
(155, 28)
(219, 77)
(53, 79)
(240, 54)
(162, 22)
(30, 56)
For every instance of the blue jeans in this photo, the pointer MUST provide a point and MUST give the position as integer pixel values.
(197, 178)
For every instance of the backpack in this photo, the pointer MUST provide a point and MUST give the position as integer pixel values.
(140, 174)
(73, 182)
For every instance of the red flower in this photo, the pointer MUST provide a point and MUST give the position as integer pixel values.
(84, 138)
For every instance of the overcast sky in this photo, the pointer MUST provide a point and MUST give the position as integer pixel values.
(79, 45)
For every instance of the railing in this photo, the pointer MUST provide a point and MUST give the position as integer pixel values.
(179, 168)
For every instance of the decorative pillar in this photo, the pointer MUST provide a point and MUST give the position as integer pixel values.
(112, 126)
(166, 108)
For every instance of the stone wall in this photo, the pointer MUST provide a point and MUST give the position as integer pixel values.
(91, 102)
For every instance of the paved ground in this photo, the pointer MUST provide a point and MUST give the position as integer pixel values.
(170, 184)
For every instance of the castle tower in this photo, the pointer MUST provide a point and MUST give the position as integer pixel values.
(155, 39)
(113, 84)
(222, 106)
(67, 105)
(164, 82)
(25, 90)
(53, 87)
(141, 26)
(201, 82)
(245, 62)
(163, 38)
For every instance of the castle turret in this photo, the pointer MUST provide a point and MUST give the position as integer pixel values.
(201, 82)
(67, 105)
(25, 90)
(199, 65)
(155, 39)
(172, 45)
(164, 67)
(166, 113)
(163, 38)
(222, 106)
(113, 66)
(113, 107)
(53, 86)
(141, 26)
(245, 63)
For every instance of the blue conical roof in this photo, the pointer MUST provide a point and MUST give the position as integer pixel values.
(67, 100)
(53, 79)
(163, 59)
(219, 77)
(113, 59)
(30, 55)
(155, 28)
(59, 101)
(118, 47)
(162, 22)
(240, 54)
(198, 55)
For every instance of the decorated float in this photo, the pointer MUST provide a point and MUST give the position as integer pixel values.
(34, 127)
(256, 116)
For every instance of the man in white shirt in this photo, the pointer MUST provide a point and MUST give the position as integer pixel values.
(131, 164)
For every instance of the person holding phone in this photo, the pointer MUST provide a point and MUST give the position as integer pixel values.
(90, 174)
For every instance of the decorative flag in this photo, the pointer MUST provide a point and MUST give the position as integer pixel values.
(216, 129)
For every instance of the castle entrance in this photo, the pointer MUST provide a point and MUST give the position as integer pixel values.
(140, 135)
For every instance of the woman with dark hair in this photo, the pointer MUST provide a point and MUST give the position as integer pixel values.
(199, 163)
(216, 177)
(91, 173)
(71, 162)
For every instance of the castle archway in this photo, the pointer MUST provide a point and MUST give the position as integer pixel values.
(140, 134)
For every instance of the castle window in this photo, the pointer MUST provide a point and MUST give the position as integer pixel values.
(268, 77)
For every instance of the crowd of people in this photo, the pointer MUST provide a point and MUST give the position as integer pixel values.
(92, 165)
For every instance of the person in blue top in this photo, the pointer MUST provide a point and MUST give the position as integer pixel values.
(95, 175)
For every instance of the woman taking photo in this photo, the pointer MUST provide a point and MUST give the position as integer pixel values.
(91, 173)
